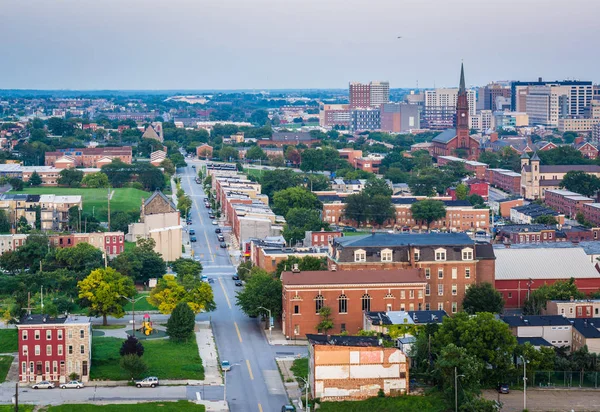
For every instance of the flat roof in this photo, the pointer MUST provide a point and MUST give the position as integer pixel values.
(351, 277)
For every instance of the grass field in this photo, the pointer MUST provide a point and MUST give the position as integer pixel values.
(95, 200)
(408, 403)
(11, 408)
(257, 173)
(108, 327)
(141, 305)
(8, 341)
(165, 359)
(300, 368)
(5, 362)
(136, 407)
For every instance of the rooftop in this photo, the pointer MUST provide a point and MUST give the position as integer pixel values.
(445, 136)
(335, 340)
(587, 327)
(351, 277)
(534, 341)
(548, 320)
(405, 239)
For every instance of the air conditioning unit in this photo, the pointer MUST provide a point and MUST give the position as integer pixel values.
(295, 268)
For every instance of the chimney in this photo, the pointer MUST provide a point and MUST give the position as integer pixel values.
(295, 268)
(494, 137)
(539, 79)
(571, 298)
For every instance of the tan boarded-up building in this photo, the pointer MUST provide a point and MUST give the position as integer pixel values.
(355, 367)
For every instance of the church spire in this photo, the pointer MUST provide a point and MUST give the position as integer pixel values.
(462, 88)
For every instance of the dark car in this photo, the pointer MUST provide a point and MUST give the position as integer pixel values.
(193, 238)
(238, 283)
(235, 277)
(220, 238)
(211, 216)
(349, 229)
(189, 222)
(192, 232)
(288, 408)
(218, 230)
(206, 199)
(223, 245)
(503, 388)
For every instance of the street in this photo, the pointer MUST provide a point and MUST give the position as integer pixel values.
(254, 383)
(548, 400)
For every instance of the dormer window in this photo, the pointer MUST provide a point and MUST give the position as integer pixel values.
(440, 254)
(417, 255)
(360, 255)
(386, 255)
(467, 254)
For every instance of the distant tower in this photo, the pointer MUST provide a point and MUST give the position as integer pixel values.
(524, 160)
(462, 119)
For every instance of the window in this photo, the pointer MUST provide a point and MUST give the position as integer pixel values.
(59, 334)
(70, 333)
(420, 293)
(467, 288)
(54, 367)
(427, 306)
(24, 367)
(49, 350)
(417, 255)
(467, 273)
(510, 295)
(454, 273)
(82, 349)
(296, 309)
(24, 349)
(440, 289)
(31, 368)
(24, 335)
(411, 294)
(454, 307)
(37, 350)
(343, 304)
(47, 367)
(70, 349)
(402, 294)
(440, 305)
(366, 302)
(37, 335)
(454, 289)
(81, 333)
(48, 334)
(427, 289)
(440, 273)
(427, 273)
(319, 302)
(60, 350)
(360, 255)
(343, 327)
(440, 254)
(467, 254)
(386, 255)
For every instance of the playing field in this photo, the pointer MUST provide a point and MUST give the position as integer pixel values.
(95, 200)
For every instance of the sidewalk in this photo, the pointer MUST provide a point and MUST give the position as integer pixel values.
(289, 381)
(208, 354)
(276, 337)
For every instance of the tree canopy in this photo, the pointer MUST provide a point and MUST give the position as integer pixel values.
(483, 298)
(428, 211)
(580, 182)
(261, 290)
(171, 291)
(294, 197)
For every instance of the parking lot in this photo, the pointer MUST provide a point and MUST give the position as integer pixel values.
(548, 400)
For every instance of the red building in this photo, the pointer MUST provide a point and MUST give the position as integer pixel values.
(450, 141)
(321, 238)
(587, 149)
(476, 187)
(53, 348)
(504, 179)
(566, 202)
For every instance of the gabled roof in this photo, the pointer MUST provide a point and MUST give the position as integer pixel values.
(587, 327)
(545, 320)
(445, 136)
(403, 239)
(150, 133)
(161, 195)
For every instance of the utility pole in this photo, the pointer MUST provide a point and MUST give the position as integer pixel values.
(524, 382)
(456, 376)
(42, 298)
(108, 197)
(17, 395)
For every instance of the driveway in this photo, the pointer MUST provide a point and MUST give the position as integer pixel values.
(549, 400)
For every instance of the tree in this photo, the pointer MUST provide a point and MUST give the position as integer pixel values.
(131, 346)
(581, 182)
(170, 292)
(23, 226)
(294, 197)
(306, 263)
(259, 117)
(228, 153)
(357, 208)
(300, 220)
(546, 220)
(70, 177)
(483, 298)
(256, 153)
(457, 360)
(4, 222)
(35, 179)
(559, 290)
(381, 209)
(462, 191)
(424, 183)
(326, 322)
(292, 155)
(276, 161)
(187, 267)
(95, 180)
(261, 290)
(312, 160)
(16, 184)
(120, 220)
(376, 187)
(428, 211)
(81, 258)
(134, 365)
(103, 292)
(180, 326)
(142, 262)
(273, 181)
(476, 200)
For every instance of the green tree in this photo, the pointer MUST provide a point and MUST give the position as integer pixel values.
(312, 160)
(483, 298)
(425, 183)
(134, 365)
(475, 200)
(16, 184)
(458, 360)
(300, 220)
(228, 153)
(256, 153)
(81, 258)
(546, 220)
(376, 187)
(294, 197)
(559, 290)
(273, 181)
(131, 346)
(170, 292)
(23, 226)
(306, 263)
(180, 326)
(381, 209)
(462, 191)
(581, 182)
(70, 177)
(95, 180)
(168, 166)
(259, 117)
(261, 290)
(35, 179)
(141, 263)
(357, 208)
(396, 175)
(326, 323)
(103, 292)
(428, 211)
(4, 222)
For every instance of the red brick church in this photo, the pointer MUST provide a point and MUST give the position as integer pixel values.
(447, 142)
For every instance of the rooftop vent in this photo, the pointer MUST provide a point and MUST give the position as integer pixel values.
(295, 268)
(333, 268)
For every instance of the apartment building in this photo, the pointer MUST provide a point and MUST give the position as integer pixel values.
(157, 157)
(9, 243)
(579, 94)
(372, 94)
(504, 179)
(573, 308)
(268, 257)
(111, 243)
(399, 117)
(566, 202)
(439, 111)
(555, 330)
(320, 238)
(331, 115)
(53, 348)
(506, 120)
(88, 157)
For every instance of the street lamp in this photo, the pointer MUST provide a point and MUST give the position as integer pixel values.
(456, 376)
(132, 301)
(270, 326)
(525, 362)
(306, 390)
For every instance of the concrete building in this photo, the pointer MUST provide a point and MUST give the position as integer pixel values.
(488, 95)
(507, 120)
(267, 258)
(373, 94)
(579, 95)
(365, 119)
(586, 333)
(478, 168)
(527, 214)
(439, 110)
(556, 330)
(53, 348)
(399, 117)
(546, 104)
(157, 157)
(482, 121)
(331, 115)
(355, 367)
(579, 125)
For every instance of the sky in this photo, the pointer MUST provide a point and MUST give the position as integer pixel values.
(275, 44)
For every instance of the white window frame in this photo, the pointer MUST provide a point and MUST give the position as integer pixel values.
(440, 289)
(467, 253)
(417, 255)
(387, 255)
(467, 273)
(454, 289)
(440, 255)
(360, 255)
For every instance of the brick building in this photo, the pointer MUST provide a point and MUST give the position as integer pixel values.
(504, 179)
(448, 263)
(112, 243)
(321, 238)
(475, 187)
(566, 202)
(53, 348)
(478, 168)
(89, 157)
(267, 258)
(591, 212)
(573, 308)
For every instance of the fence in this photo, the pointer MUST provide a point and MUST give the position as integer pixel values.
(558, 379)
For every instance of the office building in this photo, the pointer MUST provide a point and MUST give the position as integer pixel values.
(373, 94)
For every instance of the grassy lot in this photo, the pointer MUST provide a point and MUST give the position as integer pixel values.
(108, 326)
(358, 233)
(5, 362)
(408, 403)
(183, 360)
(300, 368)
(95, 200)
(136, 407)
(141, 305)
(257, 173)
(128, 245)
(8, 341)
(11, 408)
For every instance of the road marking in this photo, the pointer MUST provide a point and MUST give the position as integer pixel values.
(201, 220)
(239, 337)
(226, 297)
(249, 369)
(198, 396)
(260, 408)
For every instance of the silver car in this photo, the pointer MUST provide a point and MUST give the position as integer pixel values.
(150, 381)
(72, 385)
(43, 385)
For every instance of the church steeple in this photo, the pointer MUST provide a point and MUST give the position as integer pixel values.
(462, 88)
(462, 103)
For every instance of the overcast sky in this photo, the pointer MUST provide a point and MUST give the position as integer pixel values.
(260, 44)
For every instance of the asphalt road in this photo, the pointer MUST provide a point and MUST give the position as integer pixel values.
(254, 383)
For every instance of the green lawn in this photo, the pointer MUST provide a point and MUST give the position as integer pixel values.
(257, 173)
(108, 326)
(408, 403)
(5, 362)
(22, 408)
(8, 341)
(95, 200)
(141, 305)
(356, 233)
(135, 407)
(165, 359)
(129, 246)
(300, 368)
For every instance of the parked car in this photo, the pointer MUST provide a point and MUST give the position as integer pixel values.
(206, 200)
(193, 239)
(192, 232)
(189, 222)
(221, 238)
(238, 283)
(193, 166)
(211, 216)
(150, 381)
(43, 385)
(215, 223)
(225, 365)
(223, 245)
(218, 230)
(72, 385)
(207, 205)
(503, 388)
(349, 229)
(288, 408)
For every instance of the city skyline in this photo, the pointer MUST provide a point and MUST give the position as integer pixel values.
(296, 45)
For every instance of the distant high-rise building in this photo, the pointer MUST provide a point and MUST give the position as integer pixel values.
(365, 119)
(579, 93)
(546, 104)
(399, 117)
(373, 94)
(488, 94)
(440, 107)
